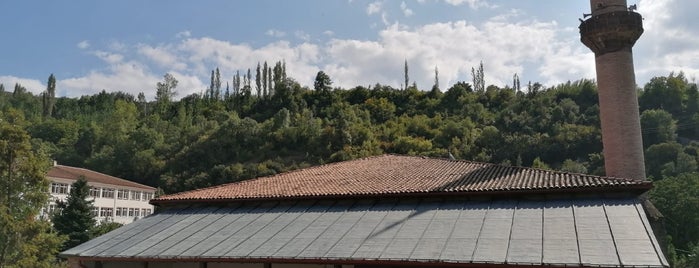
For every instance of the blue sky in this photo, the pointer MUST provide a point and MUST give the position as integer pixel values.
(129, 45)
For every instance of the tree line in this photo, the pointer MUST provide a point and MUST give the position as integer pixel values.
(264, 122)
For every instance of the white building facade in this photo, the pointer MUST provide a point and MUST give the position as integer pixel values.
(114, 199)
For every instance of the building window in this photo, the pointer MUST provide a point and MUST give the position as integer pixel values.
(123, 194)
(136, 212)
(107, 193)
(118, 212)
(59, 188)
(106, 212)
(95, 192)
(147, 196)
(95, 211)
(135, 195)
(131, 212)
(145, 212)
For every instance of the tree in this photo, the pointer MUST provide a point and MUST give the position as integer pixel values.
(436, 79)
(405, 70)
(25, 239)
(478, 78)
(657, 127)
(322, 82)
(264, 79)
(49, 97)
(75, 218)
(258, 80)
(217, 85)
(164, 92)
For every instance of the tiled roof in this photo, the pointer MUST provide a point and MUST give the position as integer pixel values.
(73, 173)
(587, 232)
(395, 174)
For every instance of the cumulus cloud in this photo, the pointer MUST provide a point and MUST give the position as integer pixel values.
(83, 44)
(32, 85)
(374, 7)
(669, 40)
(275, 33)
(454, 47)
(506, 44)
(183, 34)
(406, 11)
(161, 56)
(473, 4)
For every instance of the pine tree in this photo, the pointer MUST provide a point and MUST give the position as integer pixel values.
(75, 218)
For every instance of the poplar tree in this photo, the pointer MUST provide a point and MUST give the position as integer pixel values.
(258, 81)
(407, 79)
(264, 78)
(49, 97)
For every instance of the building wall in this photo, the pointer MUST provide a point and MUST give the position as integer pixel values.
(121, 209)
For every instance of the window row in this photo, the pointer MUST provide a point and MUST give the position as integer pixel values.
(133, 212)
(121, 212)
(120, 194)
(64, 188)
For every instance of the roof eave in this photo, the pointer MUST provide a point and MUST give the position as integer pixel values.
(636, 189)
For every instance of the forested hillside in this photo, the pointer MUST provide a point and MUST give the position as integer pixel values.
(262, 122)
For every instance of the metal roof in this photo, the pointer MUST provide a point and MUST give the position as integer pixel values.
(591, 232)
(395, 175)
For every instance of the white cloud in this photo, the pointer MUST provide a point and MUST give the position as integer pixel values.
(669, 39)
(406, 11)
(374, 7)
(32, 85)
(329, 33)
(111, 58)
(302, 35)
(83, 44)
(183, 34)
(505, 43)
(455, 47)
(162, 57)
(473, 4)
(275, 33)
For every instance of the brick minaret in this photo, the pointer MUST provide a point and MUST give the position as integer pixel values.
(610, 32)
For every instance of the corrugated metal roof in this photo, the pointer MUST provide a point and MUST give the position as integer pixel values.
(395, 174)
(568, 232)
(73, 173)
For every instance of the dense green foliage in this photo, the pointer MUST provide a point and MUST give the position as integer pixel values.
(74, 216)
(25, 239)
(269, 124)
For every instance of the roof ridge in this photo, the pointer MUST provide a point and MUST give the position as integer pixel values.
(100, 173)
(522, 167)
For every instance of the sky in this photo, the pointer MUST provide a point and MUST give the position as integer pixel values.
(128, 45)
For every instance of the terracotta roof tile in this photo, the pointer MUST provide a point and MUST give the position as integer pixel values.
(395, 174)
(73, 173)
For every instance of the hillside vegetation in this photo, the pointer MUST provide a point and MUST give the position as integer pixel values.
(270, 124)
